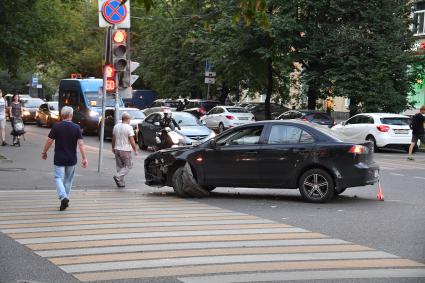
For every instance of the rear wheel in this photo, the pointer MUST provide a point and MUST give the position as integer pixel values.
(372, 139)
(317, 186)
(141, 142)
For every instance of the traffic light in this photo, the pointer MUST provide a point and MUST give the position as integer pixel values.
(110, 78)
(119, 50)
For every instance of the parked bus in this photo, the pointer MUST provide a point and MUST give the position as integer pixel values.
(85, 97)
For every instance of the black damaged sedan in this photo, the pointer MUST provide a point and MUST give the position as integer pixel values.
(269, 154)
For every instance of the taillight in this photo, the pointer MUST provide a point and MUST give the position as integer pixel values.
(230, 117)
(202, 111)
(304, 119)
(383, 128)
(358, 149)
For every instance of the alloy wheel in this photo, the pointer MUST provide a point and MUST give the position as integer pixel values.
(316, 186)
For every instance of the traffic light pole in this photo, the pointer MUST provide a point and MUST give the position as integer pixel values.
(117, 96)
(102, 122)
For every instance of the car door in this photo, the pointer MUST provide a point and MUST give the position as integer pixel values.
(234, 159)
(348, 128)
(218, 117)
(285, 151)
(41, 113)
(208, 117)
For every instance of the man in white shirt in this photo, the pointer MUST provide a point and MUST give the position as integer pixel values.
(2, 119)
(122, 143)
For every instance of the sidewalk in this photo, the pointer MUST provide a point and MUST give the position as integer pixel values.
(23, 168)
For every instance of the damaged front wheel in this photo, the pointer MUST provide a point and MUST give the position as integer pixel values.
(185, 184)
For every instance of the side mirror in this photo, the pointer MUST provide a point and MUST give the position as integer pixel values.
(156, 124)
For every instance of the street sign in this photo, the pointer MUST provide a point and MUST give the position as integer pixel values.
(112, 13)
(133, 78)
(34, 81)
(134, 66)
(209, 80)
(210, 74)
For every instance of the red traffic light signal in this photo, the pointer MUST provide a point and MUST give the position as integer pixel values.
(119, 36)
(110, 71)
(110, 85)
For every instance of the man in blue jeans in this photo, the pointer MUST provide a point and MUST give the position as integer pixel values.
(66, 135)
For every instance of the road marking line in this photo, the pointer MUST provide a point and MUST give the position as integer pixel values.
(166, 262)
(422, 178)
(308, 275)
(120, 217)
(396, 174)
(125, 242)
(63, 226)
(159, 234)
(189, 245)
(133, 224)
(205, 252)
(247, 267)
(144, 230)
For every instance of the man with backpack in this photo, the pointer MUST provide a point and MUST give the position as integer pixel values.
(418, 132)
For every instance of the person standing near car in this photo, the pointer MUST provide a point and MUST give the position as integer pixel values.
(418, 132)
(66, 135)
(2, 119)
(15, 113)
(122, 143)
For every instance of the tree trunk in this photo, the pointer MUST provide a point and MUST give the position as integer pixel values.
(312, 96)
(267, 114)
(224, 93)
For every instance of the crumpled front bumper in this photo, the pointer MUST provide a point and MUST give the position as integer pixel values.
(156, 169)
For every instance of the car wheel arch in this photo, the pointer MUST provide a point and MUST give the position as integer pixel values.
(176, 165)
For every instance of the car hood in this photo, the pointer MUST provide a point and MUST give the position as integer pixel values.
(194, 130)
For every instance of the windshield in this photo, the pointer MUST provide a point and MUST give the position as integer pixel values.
(135, 114)
(186, 119)
(53, 106)
(399, 121)
(95, 100)
(32, 103)
(237, 110)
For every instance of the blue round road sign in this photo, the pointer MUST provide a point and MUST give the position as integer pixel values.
(113, 13)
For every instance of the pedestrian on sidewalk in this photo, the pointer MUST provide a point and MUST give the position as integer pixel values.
(418, 132)
(15, 113)
(122, 143)
(66, 135)
(2, 119)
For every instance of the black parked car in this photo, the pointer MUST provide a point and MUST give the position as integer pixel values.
(258, 109)
(318, 117)
(272, 154)
(199, 107)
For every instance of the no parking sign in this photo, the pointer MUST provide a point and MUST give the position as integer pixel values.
(111, 13)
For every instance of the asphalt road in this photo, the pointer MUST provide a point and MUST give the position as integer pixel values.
(395, 226)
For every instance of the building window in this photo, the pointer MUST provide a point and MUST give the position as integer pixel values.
(418, 20)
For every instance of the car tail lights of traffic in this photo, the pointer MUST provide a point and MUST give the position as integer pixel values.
(383, 128)
(202, 111)
(358, 149)
(230, 117)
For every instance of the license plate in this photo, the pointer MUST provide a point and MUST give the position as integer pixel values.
(401, 132)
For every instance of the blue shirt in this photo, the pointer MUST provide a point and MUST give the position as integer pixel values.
(66, 135)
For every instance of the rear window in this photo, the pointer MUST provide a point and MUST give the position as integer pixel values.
(237, 110)
(399, 121)
(209, 105)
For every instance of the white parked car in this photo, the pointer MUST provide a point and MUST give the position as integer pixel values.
(224, 117)
(383, 129)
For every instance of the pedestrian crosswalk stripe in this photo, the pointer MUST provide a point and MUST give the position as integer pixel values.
(105, 243)
(245, 267)
(189, 245)
(148, 222)
(205, 252)
(167, 262)
(308, 275)
(143, 230)
(115, 235)
(158, 235)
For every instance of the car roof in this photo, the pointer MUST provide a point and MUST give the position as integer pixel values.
(383, 115)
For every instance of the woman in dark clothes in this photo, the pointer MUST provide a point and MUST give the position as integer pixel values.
(15, 112)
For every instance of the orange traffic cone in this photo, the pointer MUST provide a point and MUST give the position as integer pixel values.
(380, 195)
